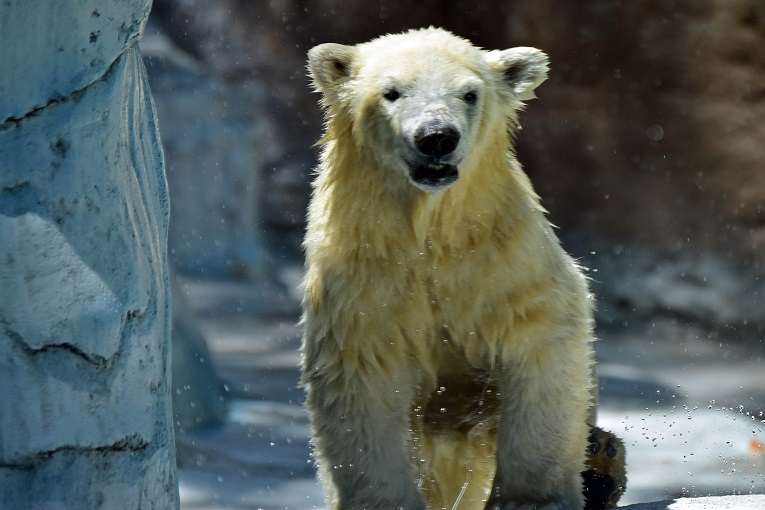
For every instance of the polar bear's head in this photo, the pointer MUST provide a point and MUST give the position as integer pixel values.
(425, 102)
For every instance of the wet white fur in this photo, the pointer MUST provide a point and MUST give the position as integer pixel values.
(404, 286)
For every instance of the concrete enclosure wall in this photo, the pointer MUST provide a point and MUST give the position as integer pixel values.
(85, 417)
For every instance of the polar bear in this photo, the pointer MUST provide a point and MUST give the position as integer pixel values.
(447, 351)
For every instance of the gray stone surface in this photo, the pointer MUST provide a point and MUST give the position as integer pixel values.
(85, 418)
(55, 48)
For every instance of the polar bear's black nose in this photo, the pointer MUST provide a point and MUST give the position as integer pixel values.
(436, 141)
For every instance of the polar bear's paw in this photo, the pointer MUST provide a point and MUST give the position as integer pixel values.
(605, 478)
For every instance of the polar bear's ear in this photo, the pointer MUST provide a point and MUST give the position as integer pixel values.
(330, 65)
(522, 69)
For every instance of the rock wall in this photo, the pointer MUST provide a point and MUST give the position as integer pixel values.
(85, 418)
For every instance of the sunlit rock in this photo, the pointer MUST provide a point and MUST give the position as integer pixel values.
(84, 294)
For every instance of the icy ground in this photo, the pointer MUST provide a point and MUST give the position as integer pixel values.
(688, 408)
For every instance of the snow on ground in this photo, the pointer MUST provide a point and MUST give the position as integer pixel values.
(739, 502)
(679, 401)
(681, 452)
(690, 411)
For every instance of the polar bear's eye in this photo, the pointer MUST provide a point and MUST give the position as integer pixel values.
(391, 95)
(470, 97)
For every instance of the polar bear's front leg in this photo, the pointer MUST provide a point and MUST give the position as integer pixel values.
(361, 426)
(542, 434)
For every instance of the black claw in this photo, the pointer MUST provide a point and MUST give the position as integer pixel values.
(611, 450)
(594, 445)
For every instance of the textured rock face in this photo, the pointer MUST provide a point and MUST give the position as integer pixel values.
(84, 307)
(53, 49)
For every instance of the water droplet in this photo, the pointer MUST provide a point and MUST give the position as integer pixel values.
(655, 132)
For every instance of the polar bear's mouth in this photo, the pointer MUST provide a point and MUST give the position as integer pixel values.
(434, 175)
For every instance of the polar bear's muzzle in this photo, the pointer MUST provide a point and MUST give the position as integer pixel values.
(434, 168)
(434, 177)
